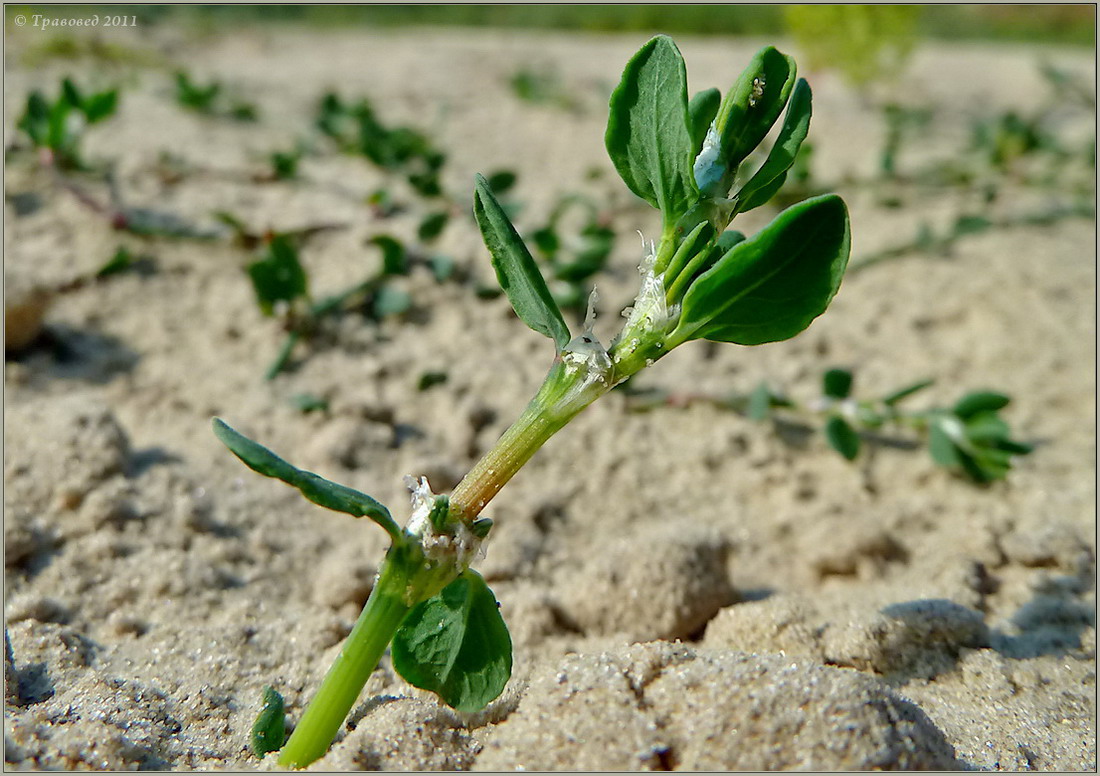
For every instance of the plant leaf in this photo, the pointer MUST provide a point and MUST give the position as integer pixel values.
(278, 276)
(269, 729)
(760, 402)
(908, 390)
(100, 106)
(837, 383)
(770, 287)
(328, 494)
(980, 401)
(516, 270)
(394, 257)
(842, 437)
(432, 225)
(701, 112)
(648, 135)
(753, 104)
(771, 175)
(456, 645)
(942, 447)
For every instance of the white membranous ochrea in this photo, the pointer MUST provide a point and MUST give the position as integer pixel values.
(585, 351)
(647, 320)
(708, 168)
(459, 547)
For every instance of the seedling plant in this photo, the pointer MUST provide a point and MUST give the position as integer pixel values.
(573, 256)
(282, 289)
(700, 280)
(56, 127)
(211, 99)
(969, 437)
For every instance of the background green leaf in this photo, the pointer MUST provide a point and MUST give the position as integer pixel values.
(760, 402)
(837, 383)
(770, 287)
(648, 135)
(516, 270)
(842, 437)
(456, 645)
(893, 398)
(980, 401)
(278, 276)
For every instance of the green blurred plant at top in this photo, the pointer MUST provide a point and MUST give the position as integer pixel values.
(866, 43)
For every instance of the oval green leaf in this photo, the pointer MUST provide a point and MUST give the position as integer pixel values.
(516, 270)
(770, 287)
(980, 401)
(456, 645)
(837, 383)
(649, 138)
(842, 437)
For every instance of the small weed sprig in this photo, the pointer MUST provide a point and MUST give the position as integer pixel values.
(573, 255)
(542, 86)
(212, 100)
(57, 127)
(699, 280)
(968, 438)
(281, 284)
(356, 129)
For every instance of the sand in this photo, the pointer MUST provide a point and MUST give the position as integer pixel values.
(685, 588)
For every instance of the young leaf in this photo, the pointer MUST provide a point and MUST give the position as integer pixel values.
(394, 258)
(71, 93)
(317, 489)
(120, 262)
(648, 135)
(431, 226)
(501, 181)
(842, 437)
(516, 270)
(760, 402)
(456, 645)
(980, 401)
(941, 446)
(771, 175)
(908, 390)
(753, 104)
(269, 729)
(279, 276)
(837, 383)
(770, 287)
(100, 106)
(701, 112)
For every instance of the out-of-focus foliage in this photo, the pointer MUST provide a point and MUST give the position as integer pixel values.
(866, 43)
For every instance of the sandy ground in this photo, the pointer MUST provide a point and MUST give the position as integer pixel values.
(685, 589)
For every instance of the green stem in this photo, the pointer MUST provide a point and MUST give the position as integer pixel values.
(563, 394)
(381, 616)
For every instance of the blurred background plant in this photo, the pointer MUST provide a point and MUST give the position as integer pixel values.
(868, 44)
